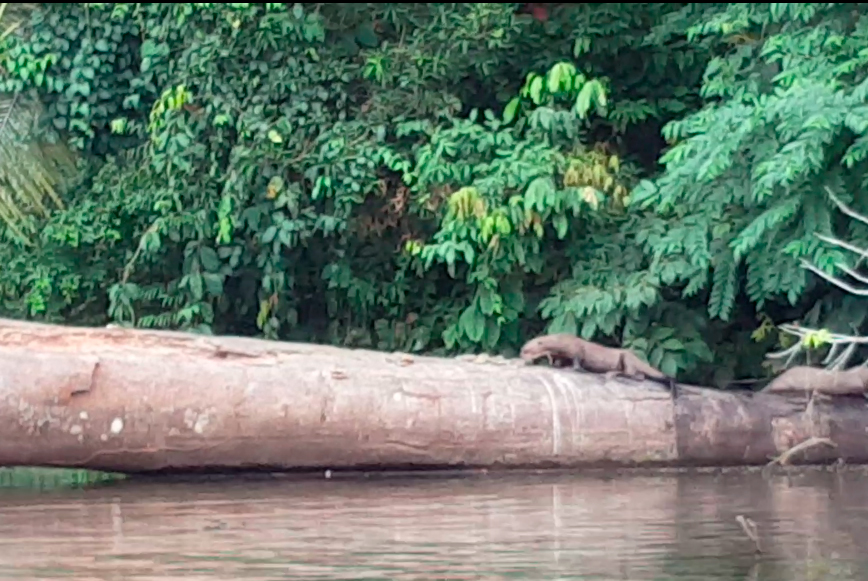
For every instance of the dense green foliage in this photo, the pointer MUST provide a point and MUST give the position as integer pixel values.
(445, 177)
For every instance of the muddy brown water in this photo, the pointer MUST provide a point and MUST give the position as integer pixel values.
(812, 525)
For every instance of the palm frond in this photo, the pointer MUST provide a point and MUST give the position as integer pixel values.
(31, 171)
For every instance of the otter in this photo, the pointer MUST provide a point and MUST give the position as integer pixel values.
(587, 356)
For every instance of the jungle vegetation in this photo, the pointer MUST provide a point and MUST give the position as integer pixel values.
(438, 178)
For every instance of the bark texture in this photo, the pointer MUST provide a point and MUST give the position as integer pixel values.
(116, 399)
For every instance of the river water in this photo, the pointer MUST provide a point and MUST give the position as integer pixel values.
(811, 525)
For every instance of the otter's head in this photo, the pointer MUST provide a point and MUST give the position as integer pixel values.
(534, 349)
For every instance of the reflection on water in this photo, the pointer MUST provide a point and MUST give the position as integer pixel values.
(675, 527)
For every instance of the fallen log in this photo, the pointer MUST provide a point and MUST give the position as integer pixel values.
(138, 401)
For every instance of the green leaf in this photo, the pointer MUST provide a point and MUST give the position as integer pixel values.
(536, 87)
(560, 77)
(269, 234)
(213, 283)
(581, 45)
(472, 323)
(366, 36)
(559, 221)
(592, 94)
(564, 323)
(669, 365)
(196, 283)
(492, 334)
(540, 194)
(210, 260)
(488, 301)
(673, 345)
(511, 109)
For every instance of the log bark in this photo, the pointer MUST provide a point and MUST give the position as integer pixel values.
(137, 401)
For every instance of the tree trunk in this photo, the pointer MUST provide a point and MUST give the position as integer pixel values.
(131, 401)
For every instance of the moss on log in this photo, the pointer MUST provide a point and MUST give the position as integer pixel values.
(137, 401)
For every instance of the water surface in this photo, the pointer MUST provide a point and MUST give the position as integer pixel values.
(813, 525)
